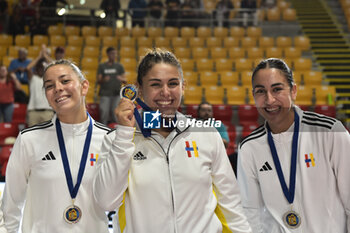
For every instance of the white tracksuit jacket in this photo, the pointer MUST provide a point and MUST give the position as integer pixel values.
(170, 191)
(322, 188)
(35, 175)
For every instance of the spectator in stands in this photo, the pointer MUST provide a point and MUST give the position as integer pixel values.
(110, 76)
(138, 11)
(19, 66)
(48, 7)
(38, 25)
(8, 85)
(16, 21)
(188, 15)
(111, 9)
(222, 13)
(205, 112)
(4, 16)
(249, 11)
(173, 13)
(155, 13)
(59, 53)
(293, 171)
(38, 108)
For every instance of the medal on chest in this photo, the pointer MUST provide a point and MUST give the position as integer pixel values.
(72, 214)
(291, 218)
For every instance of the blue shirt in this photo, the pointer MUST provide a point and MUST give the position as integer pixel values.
(21, 76)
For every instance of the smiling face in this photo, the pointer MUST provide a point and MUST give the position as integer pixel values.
(162, 88)
(274, 98)
(65, 93)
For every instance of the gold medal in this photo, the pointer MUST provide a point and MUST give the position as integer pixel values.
(291, 219)
(72, 214)
(129, 91)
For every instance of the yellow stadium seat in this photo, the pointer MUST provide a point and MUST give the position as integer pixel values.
(6, 60)
(255, 52)
(257, 61)
(228, 78)
(13, 51)
(208, 78)
(142, 51)
(230, 42)
(162, 42)
(92, 41)
(131, 77)
(3, 51)
(144, 41)
(200, 52)
(220, 32)
(254, 32)
(171, 32)
(196, 42)
(273, 14)
(179, 42)
(71, 30)
(75, 40)
(191, 78)
(247, 42)
(154, 32)
(187, 64)
(40, 40)
(54, 30)
(121, 32)
(302, 42)
(6, 40)
(213, 42)
(289, 14)
(129, 64)
(73, 52)
(237, 32)
(204, 32)
(312, 77)
(182, 52)
(304, 95)
(243, 64)
(235, 95)
(109, 41)
(245, 78)
(58, 40)
(223, 64)
(33, 50)
(325, 95)
(193, 95)
(298, 77)
(127, 52)
(187, 32)
(218, 52)
(282, 5)
(236, 52)
(302, 64)
(91, 51)
(89, 63)
(266, 42)
(138, 31)
(204, 64)
(127, 41)
(283, 41)
(292, 52)
(88, 31)
(22, 40)
(104, 31)
(90, 75)
(273, 52)
(214, 94)
(289, 62)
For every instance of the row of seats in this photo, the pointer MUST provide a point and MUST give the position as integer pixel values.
(301, 42)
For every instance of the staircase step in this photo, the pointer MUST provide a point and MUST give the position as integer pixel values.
(330, 51)
(332, 56)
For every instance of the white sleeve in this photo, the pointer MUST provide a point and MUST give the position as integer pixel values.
(250, 191)
(17, 174)
(111, 179)
(2, 222)
(227, 191)
(340, 160)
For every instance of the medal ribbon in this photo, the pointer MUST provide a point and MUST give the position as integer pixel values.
(289, 194)
(146, 132)
(73, 190)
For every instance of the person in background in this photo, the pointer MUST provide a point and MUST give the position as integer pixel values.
(173, 13)
(177, 178)
(59, 53)
(205, 112)
(155, 13)
(38, 107)
(110, 76)
(52, 165)
(138, 12)
(8, 85)
(19, 66)
(293, 171)
(222, 13)
(111, 8)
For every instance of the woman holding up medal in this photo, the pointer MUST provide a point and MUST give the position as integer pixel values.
(293, 171)
(52, 164)
(172, 179)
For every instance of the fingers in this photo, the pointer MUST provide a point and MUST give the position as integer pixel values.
(125, 113)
